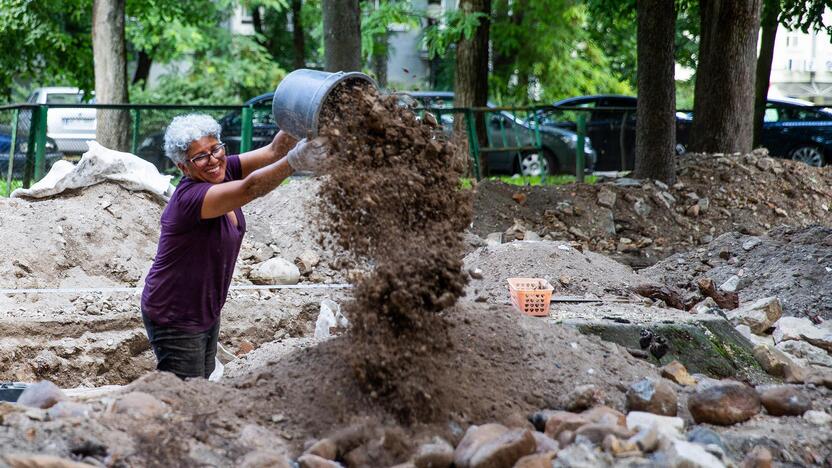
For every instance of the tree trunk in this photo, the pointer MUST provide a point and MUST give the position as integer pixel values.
(771, 10)
(342, 35)
(723, 107)
(380, 58)
(471, 73)
(298, 41)
(112, 126)
(656, 108)
(142, 72)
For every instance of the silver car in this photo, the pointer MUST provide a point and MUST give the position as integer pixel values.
(70, 128)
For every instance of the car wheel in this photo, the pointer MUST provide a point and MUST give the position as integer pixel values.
(680, 149)
(811, 155)
(537, 164)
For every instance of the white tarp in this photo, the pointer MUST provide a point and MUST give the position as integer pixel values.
(97, 165)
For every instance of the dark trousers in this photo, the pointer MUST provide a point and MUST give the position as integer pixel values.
(183, 353)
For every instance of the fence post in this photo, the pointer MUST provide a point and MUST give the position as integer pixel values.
(15, 116)
(134, 143)
(473, 142)
(580, 163)
(40, 143)
(245, 134)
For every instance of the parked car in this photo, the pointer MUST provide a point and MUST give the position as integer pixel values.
(70, 128)
(506, 130)
(795, 129)
(613, 131)
(21, 146)
(263, 131)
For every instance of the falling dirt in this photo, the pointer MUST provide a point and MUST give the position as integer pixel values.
(393, 198)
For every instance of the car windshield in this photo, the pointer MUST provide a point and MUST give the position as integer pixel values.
(64, 98)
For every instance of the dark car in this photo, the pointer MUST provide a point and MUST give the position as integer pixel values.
(506, 130)
(613, 131)
(796, 129)
(21, 147)
(262, 132)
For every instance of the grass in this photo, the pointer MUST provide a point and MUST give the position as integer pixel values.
(561, 179)
(4, 188)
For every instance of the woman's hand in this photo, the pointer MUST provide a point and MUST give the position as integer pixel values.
(282, 143)
(309, 155)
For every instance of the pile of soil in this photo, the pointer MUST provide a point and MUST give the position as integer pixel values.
(393, 199)
(569, 270)
(644, 221)
(794, 264)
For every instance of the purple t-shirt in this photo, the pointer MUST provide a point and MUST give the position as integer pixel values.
(188, 282)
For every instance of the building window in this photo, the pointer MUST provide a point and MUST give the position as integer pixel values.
(245, 16)
(789, 64)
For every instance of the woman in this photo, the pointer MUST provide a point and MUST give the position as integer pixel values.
(202, 230)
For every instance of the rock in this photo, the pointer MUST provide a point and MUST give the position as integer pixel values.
(545, 444)
(324, 448)
(495, 238)
(275, 271)
(760, 457)
(759, 315)
(475, 273)
(540, 418)
(581, 456)
(754, 338)
(724, 404)
(584, 397)
(703, 436)
(244, 348)
(785, 401)
(652, 396)
(596, 433)
(257, 437)
(262, 253)
(564, 421)
(704, 306)
(537, 460)
(731, 284)
(438, 453)
(313, 461)
(646, 439)
(307, 260)
(504, 450)
(725, 300)
(606, 197)
(264, 459)
(802, 350)
(773, 361)
(751, 243)
(641, 207)
(682, 454)
(667, 427)
(676, 372)
(693, 210)
(818, 418)
(474, 439)
(69, 409)
(43, 395)
(605, 415)
(139, 405)
(19, 460)
(793, 328)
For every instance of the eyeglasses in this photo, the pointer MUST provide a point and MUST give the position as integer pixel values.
(201, 159)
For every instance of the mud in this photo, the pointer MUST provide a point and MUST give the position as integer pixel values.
(393, 198)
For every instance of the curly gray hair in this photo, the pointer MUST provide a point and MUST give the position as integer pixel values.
(184, 130)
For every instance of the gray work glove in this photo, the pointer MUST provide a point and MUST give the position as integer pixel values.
(309, 156)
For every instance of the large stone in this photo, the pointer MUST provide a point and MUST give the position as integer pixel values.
(605, 415)
(793, 328)
(606, 197)
(760, 315)
(563, 421)
(537, 460)
(724, 404)
(256, 437)
(704, 436)
(19, 460)
(754, 338)
(275, 271)
(668, 427)
(809, 353)
(264, 459)
(584, 397)
(438, 453)
(760, 457)
(785, 400)
(139, 405)
(545, 444)
(307, 260)
(773, 361)
(652, 396)
(313, 461)
(677, 372)
(581, 456)
(682, 454)
(69, 409)
(324, 448)
(504, 450)
(596, 433)
(818, 418)
(43, 394)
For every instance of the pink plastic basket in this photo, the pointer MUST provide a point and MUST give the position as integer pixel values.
(531, 296)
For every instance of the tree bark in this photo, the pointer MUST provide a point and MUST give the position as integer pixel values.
(112, 126)
(142, 72)
(723, 108)
(380, 59)
(471, 73)
(771, 10)
(342, 35)
(298, 41)
(656, 108)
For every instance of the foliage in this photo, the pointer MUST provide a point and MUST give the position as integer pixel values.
(450, 29)
(560, 179)
(375, 24)
(804, 16)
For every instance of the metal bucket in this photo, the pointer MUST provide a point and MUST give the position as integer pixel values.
(299, 98)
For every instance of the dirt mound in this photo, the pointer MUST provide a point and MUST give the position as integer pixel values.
(793, 264)
(643, 221)
(393, 199)
(570, 271)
